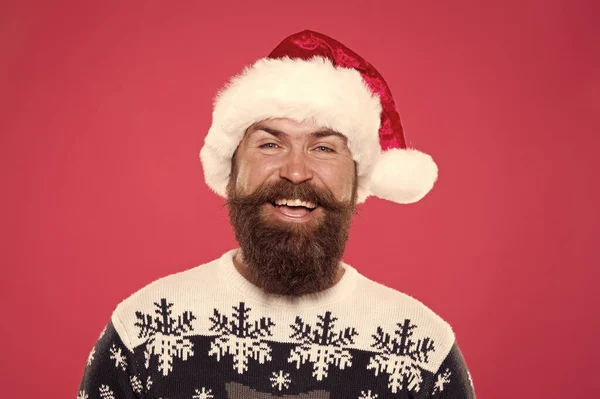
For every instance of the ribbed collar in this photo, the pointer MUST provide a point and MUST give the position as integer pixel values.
(234, 279)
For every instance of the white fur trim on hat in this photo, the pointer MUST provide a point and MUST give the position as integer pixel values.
(333, 97)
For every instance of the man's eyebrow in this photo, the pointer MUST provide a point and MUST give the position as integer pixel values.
(258, 128)
(327, 133)
(272, 132)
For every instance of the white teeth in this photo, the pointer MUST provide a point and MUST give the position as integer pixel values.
(295, 202)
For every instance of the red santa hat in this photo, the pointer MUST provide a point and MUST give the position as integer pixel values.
(312, 76)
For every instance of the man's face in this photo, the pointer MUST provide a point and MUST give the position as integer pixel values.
(279, 149)
(291, 198)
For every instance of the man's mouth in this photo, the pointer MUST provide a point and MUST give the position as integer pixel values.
(294, 208)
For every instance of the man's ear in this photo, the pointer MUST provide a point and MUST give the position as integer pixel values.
(233, 173)
(355, 184)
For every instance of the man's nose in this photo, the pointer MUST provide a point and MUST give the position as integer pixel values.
(295, 168)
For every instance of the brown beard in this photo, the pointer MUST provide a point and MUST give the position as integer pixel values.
(290, 258)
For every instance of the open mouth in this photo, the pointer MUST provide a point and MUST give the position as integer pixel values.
(294, 208)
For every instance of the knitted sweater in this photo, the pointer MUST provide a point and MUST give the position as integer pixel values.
(208, 333)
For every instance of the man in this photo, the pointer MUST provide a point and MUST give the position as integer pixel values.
(297, 140)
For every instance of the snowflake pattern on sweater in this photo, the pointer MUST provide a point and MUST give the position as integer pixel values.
(400, 357)
(395, 366)
(164, 335)
(240, 338)
(321, 345)
(162, 345)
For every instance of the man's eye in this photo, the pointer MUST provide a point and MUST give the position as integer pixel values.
(323, 148)
(269, 145)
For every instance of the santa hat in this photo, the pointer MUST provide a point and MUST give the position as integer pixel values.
(312, 76)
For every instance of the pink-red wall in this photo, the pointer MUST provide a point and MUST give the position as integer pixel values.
(104, 108)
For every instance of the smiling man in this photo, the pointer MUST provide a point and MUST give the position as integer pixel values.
(291, 197)
(297, 140)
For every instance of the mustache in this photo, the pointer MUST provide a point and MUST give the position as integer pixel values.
(284, 189)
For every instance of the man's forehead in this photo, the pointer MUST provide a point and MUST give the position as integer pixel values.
(283, 126)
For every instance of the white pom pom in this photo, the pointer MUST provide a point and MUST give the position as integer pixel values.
(403, 175)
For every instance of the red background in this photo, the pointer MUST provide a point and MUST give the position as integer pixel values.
(104, 108)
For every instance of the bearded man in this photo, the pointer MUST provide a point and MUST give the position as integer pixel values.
(297, 141)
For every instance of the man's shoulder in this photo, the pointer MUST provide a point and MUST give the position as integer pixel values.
(388, 300)
(165, 295)
(397, 299)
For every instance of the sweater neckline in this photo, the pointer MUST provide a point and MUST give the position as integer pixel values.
(234, 279)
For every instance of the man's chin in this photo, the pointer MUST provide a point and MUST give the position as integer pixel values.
(290, 257)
